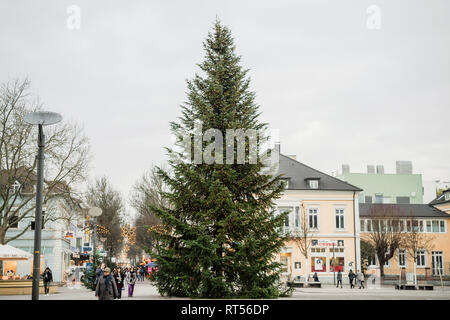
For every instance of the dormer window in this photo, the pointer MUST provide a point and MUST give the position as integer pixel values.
(447, 195)
(285, 181)
(313, 183)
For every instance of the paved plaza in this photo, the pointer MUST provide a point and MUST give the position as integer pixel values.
(146, 291)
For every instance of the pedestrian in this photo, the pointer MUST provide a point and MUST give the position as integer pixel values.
(316, 277)
(98, 273)
(47, 278)
(339, 278)
(119, 281)
(141, 272)
(360, 277)
(131, 280)
(106, 286)
(351, 277)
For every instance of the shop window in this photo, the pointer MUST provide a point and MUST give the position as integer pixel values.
(339, 263)
(318, 264)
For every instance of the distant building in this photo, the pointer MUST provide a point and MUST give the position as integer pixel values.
(428, 220)
(331, 210)
(401, 187)
(442, 202)
(431, 187)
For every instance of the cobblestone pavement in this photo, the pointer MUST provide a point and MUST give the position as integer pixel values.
(146, 291)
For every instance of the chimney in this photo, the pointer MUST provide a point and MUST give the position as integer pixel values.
(403, 167)
(370, 169)
(380, 169)
(345, 169)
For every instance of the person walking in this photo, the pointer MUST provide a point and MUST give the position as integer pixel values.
(141, 272)
(47, 278)
(131, 280)
(118, 277)
(351, 277)
(339, 278)
(360, 277)
(106, 286)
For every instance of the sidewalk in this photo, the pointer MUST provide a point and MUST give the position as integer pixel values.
(146, 291)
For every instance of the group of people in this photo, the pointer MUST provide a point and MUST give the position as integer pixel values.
(351, 276)
(109, 285)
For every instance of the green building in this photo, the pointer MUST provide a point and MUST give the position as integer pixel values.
(379, 187)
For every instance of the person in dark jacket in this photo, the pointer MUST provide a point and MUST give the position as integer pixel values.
(47, 278)
(339, 278)
(118, 277)
(351, 277)
(316, 277)
(106, 286)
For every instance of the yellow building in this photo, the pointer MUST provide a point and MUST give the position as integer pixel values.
(329, 208)
(428, 220)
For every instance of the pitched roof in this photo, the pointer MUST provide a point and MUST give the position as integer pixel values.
(298, 173)
(406, 210)
(441, 198)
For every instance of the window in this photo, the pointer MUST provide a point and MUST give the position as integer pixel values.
(403, 200)
(401, 226)
(421, 258)
(14, 218)
(442, 226)
(318, 264)
(285, 182)
(378, 198)
(16, 187)
(363, 224)
(314, 184)
(339, 217)
(447, 196)
(428, 226)
(371, 261)
(283, 210)
(312, 217)
(43, 219)
(369, 225)
(408, 226)
(297, 217)
(435, 225)
(368, 199)
(339, 262)
(402, 258)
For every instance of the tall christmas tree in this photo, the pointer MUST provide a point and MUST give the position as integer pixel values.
(219, 236)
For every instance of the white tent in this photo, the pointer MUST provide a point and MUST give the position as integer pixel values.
(8, 252)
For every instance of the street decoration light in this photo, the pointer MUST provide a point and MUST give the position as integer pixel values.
(95, 212)
(39, 118)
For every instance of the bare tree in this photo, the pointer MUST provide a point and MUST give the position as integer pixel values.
(101, 194)
(415, 240)
(384, 231)
(67, 157)
(302, 236)
(147, 192)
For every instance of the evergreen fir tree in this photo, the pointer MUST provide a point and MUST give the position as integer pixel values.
(219, 237)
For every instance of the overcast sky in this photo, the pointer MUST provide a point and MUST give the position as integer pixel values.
(338, 91)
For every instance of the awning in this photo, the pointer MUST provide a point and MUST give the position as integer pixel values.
(8, 252)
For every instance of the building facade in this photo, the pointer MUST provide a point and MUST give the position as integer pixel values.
(330, 208)
(426, 219)
(379, 187)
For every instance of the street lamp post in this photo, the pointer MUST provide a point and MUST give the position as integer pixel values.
(94, 212)
(41, 119)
